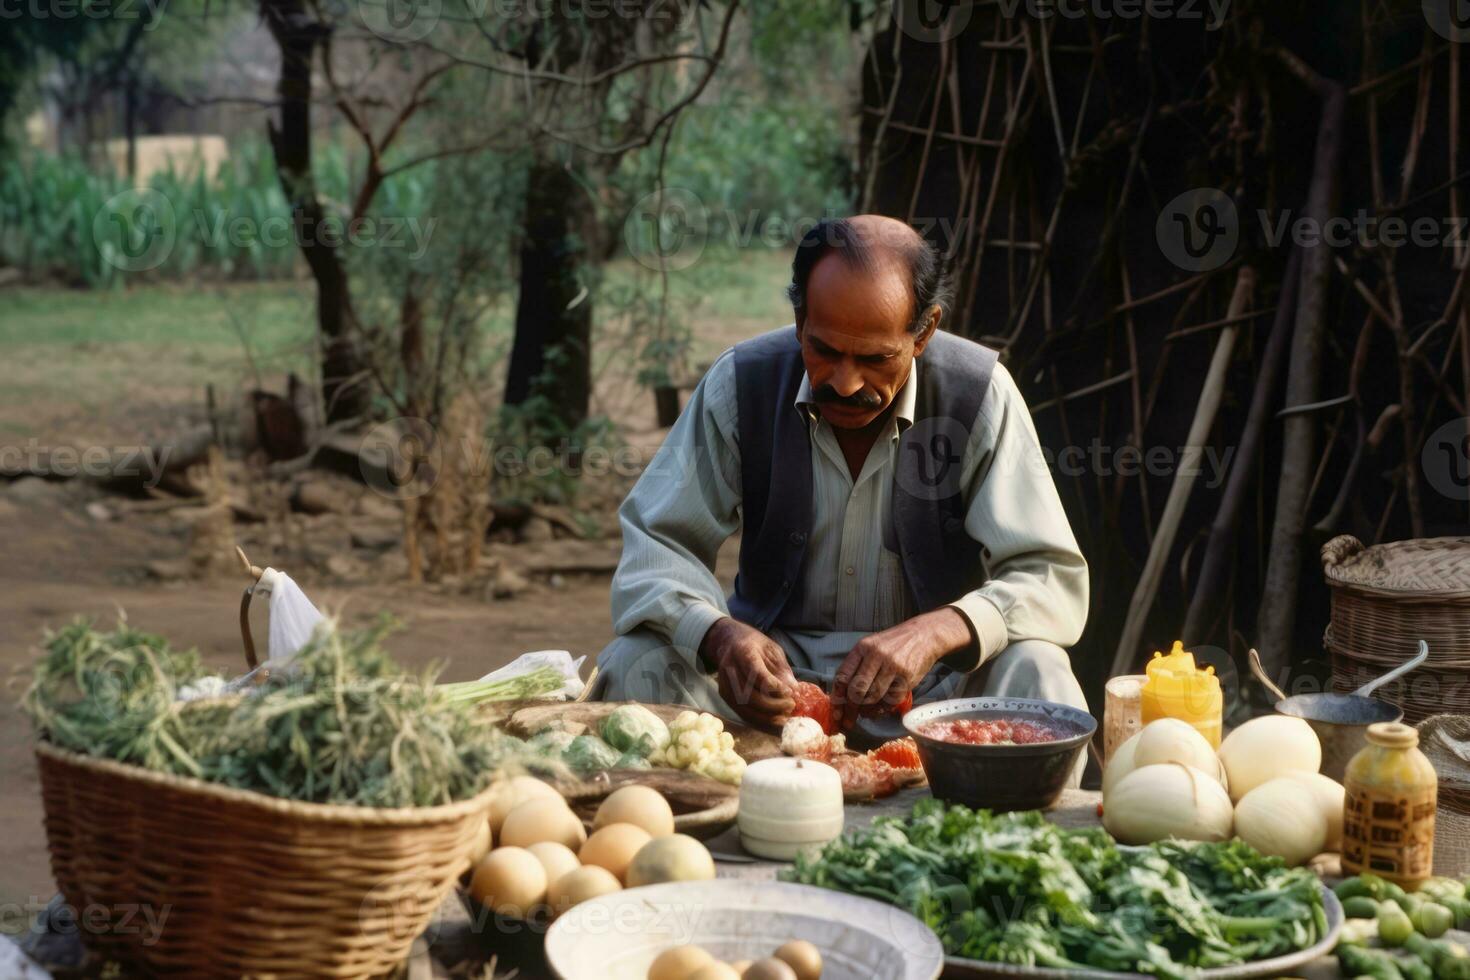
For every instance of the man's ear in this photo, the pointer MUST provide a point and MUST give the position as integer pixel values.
(931, 324)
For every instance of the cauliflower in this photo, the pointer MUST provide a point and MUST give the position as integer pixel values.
(725, 766)
(802, 736)
(699, 743)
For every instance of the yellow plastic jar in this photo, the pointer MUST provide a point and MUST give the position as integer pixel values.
(1176, 688)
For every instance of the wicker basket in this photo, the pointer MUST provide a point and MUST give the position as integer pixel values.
(1387, 598)
(1445, 741)
(243, 884)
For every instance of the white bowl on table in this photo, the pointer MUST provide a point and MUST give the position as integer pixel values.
(617, 936)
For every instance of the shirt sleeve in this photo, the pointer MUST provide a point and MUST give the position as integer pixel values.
(683, 507)
(1037, 587)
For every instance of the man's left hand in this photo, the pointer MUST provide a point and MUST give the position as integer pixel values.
(884, 667)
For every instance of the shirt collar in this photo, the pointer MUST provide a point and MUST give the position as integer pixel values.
(903, 404)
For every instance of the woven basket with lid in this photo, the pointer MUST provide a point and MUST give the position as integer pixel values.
(1388, 597)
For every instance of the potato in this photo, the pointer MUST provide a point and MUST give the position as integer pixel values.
(677, 857)
(769, 968)
(638, 805)
(542, 820)
(576, 887)
(803, 958)
(510, 881)
(614, 847)
(557, 859)
(678, 962)
(714, 971)
(511, 793)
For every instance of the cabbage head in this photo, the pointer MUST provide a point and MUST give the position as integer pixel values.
(633, 728)
(588, 754)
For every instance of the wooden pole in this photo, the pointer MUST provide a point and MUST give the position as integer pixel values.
(1211, 393)
(1277, 620)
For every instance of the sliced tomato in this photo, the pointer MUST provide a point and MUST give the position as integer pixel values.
(901, 753)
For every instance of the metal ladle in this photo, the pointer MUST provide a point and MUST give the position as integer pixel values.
(1340, 720)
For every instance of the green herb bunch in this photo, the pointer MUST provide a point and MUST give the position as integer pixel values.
(1014, 888)
(343, 724)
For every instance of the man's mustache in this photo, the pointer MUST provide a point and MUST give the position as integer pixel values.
(827, 395)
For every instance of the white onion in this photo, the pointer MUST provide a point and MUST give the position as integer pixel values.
(1120, 763)
(1160, 741)
(1330, 800)
(1172, 740)
(1272, 819)
(1168, 800)
(1264, 748)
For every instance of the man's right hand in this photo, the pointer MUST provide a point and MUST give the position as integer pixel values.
(753, 674)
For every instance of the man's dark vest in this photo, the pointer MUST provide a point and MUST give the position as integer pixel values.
(940, 561)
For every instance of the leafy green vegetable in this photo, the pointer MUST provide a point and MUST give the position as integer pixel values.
(588, 754)
(1014, 888)
(343, 724)
(632, 728)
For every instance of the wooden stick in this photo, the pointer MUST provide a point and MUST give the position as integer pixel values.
(1277, 618)
(1215, 568)
(1211, 393)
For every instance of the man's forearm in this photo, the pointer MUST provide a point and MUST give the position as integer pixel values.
(947, 632)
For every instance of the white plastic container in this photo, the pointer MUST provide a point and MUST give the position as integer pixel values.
(787, 805)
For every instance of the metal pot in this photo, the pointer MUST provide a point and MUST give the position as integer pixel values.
(1340, 720)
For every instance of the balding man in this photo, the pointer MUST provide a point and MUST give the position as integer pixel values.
(900, 528)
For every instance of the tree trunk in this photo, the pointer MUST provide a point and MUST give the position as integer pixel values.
(1277, 621)
(345, 392)
(551, 356)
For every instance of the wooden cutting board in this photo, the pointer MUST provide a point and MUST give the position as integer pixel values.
(525, 720)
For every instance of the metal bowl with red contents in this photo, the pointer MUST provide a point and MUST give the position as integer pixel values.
(999, 753)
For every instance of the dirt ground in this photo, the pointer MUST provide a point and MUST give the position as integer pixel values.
(73, 550)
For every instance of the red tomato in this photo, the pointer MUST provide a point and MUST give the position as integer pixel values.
(901, 753)
(812, 702)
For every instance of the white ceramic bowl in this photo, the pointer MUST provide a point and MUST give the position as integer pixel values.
(617, 937)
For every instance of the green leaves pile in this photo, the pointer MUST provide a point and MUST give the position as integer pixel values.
(344, 724)
(1013, 888)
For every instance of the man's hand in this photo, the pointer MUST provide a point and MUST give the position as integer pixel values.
(883, 667)
(751, 668)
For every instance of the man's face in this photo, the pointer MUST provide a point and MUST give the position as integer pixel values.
(855, 339)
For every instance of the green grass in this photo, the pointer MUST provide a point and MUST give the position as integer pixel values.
(75, 355)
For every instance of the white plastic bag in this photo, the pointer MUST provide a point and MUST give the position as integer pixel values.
(559, 660)
(292, 616)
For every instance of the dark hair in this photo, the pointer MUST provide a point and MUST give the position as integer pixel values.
(929, 281)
